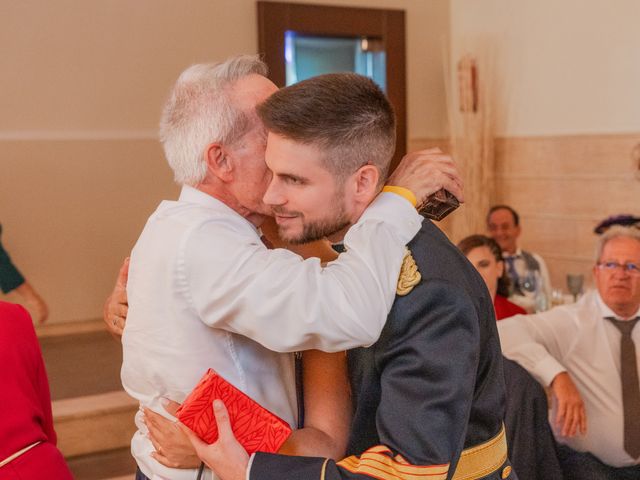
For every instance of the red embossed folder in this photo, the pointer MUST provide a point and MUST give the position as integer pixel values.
(255, 427)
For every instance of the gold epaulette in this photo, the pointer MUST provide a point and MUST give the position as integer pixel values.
(409, 274)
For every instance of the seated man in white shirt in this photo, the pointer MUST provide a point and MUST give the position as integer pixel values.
(204, 291)
(530, 283)
(585, 353)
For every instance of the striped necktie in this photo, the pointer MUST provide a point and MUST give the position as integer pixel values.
(513, 274)
(630, 386)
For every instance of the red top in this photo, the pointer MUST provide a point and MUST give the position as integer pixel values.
(25, 416)
(505, 308)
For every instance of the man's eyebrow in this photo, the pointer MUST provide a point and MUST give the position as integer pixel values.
(291, 176)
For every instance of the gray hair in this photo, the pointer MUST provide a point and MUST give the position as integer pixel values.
(616, 231)
(200, 111)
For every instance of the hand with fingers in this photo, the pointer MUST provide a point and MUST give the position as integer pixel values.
(116, 306)
(571, 417)
(226, 457)
(427, 171)
(172, 446)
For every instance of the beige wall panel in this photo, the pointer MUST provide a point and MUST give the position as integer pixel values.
(563, 187)
(560, 235)
(423, 143)
(75, 65)
(602, 155)
(559, 267)
(72, 210)
(81, 92)
(563, 67)
(569, 196)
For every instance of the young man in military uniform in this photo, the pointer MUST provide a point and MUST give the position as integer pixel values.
(429, 394)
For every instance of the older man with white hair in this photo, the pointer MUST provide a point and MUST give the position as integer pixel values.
(587, 354)
(204, 291)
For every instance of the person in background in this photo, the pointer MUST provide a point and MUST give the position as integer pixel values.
(532, 448)
(27, 438)
(485, 254)
(530, 283)
(11, 280)
(587, 353)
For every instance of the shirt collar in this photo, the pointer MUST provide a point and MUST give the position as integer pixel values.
(190, 194)
(517, 254)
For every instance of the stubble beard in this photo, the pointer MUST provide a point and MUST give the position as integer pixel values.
(322, 228)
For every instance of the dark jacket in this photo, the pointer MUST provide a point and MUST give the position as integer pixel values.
(430, 387)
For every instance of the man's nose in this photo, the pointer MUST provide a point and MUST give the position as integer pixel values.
(273, 195)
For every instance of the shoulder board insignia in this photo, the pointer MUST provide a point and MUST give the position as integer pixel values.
(409, 274)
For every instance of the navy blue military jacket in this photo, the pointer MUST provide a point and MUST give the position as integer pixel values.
(431, 386)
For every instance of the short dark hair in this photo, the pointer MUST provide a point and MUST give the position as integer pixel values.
(516, 217)
(347, 115)
(474, 241)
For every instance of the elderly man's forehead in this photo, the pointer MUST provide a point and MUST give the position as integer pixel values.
(622, 245)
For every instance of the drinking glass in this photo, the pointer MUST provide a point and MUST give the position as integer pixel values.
(574, 284)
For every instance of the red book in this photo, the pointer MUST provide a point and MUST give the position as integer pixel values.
(255, 427)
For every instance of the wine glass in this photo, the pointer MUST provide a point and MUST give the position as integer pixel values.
(574, 284)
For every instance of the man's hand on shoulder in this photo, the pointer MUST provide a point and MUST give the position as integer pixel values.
(425, 172)
(116, 306)
(570, 414)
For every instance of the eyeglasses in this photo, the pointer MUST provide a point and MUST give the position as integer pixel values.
(630, 268)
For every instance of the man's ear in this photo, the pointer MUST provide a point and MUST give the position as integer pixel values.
(366, 182)
(218, 162)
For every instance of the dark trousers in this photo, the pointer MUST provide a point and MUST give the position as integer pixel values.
(584, 466)
(140, 475)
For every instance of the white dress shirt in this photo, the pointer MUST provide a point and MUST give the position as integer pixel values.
(204, 292)
(527, 300)
(576, 338)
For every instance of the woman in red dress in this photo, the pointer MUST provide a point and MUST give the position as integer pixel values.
(485, 254)
(27, 439)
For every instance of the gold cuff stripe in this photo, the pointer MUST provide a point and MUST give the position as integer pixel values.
(379, 465)
(475, 462)
(479, 461)
(388, 464)
(391, 475)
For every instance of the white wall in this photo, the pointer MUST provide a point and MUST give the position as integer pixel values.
(569, 66)
(99, 67)
(81, 91)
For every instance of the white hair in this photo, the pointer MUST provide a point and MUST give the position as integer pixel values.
(200, 111)
(616, 231)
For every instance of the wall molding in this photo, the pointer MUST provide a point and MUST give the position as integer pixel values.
(574, 177)
(560, 216)
(570, 258)
(79, 135)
